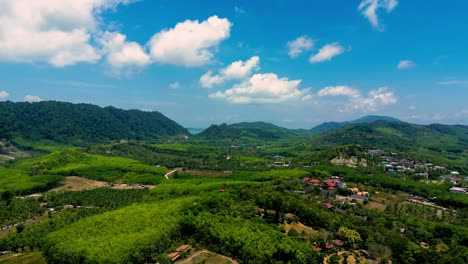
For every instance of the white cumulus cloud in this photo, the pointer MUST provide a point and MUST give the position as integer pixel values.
(369, 9)
(237, 70)
(263, 88)
(375, 99)
(299, 45)
(189, 43)
(4, 95)
(121, 55)
(58, 32)
(327, 52)
(32, 98)
(405, 64)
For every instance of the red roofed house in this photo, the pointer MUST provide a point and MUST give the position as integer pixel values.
(338, 242)
(329, 245)
(173, 256)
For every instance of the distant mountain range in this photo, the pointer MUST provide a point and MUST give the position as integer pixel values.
(324, 127)
(82, 123)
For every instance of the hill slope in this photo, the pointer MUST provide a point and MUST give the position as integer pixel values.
(81, 123)
(448, 142)
(327, 126)
(249, 132)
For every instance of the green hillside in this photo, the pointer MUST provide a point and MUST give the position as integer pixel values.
(81, 123)
(250, 133)
(327, 126)
(446, 142)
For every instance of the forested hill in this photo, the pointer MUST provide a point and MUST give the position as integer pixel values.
(327, 126)
(250, 132)
(81, 123)
(399, 136)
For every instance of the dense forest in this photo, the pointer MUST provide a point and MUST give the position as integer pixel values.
(81, 123)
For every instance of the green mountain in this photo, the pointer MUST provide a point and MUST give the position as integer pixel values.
(81, 123)
(327, 126)
(249, 132)
(449, 142)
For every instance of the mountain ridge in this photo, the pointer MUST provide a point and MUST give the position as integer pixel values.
(82, 123)
(327, 126)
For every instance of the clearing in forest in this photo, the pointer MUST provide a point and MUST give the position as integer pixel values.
(75, 183)
(299, 227)
(207, 257)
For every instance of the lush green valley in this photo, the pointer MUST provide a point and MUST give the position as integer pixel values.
(257, 193)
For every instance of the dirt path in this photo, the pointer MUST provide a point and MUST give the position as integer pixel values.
(7, 157)
(190, 259)
(172, 172)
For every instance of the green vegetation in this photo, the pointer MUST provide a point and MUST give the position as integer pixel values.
(240, 190)
(81, 124)
(75, 163)
(21, 181)
(132, 234)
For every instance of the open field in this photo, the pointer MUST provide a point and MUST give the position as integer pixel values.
(75, 183)
(207, 257)
(300, 227)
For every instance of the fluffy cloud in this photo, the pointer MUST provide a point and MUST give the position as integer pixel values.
(405, 64)
(67, 32)
(237, 70)
(299, 45)
(4, 94)
(189, 43)
(369, 9)
(263, 88)
(58, 32)
(32, 98)
(121, 54)
(327, 52)
(356, 101)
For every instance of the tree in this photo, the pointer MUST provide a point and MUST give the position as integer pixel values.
(7, 196)
(349, 235)
(19, 228)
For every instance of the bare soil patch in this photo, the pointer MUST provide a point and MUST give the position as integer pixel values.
(75, 183)
(299, 227)
(207, 257)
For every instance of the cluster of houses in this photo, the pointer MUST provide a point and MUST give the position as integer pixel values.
(393, 164)
(330, 184)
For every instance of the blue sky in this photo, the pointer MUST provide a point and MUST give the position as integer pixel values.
(292, 63)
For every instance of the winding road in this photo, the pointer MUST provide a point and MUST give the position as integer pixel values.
(172, 172)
